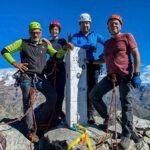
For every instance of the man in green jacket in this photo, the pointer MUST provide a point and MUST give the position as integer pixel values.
(33, 53)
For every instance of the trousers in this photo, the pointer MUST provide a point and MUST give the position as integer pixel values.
(96, 97)
(45, 87)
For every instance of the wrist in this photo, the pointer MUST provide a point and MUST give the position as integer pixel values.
(65, 47)
(13, 63)
(136, 74)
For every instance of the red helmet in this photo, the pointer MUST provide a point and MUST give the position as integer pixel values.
(115, 16)
(55, 23)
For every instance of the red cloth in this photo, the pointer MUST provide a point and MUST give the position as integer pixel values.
(117, 54)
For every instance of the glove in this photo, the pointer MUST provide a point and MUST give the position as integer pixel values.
(136, 80)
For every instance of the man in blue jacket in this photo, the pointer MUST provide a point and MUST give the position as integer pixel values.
(88, 40)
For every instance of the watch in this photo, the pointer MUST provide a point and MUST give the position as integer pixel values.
(136, 73)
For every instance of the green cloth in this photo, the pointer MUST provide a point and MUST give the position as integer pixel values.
(17, 46)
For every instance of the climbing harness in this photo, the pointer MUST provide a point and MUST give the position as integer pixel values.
(16, 76)
(82, 139)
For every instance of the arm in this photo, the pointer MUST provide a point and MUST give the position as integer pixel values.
(75, 41)
(8, 50)
(100, 39)
(46, 41)
(101, 59)
(136, 81)
(12, 48)
(59, 54)
(134, 51)
(98, 61)
(136, 57)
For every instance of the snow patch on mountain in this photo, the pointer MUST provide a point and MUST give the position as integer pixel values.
(6, 76)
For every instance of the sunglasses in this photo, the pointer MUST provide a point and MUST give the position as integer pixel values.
(32, 32)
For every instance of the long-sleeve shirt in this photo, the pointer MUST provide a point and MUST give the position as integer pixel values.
(34, 55)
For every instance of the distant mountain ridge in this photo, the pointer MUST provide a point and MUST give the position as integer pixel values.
(11, 108)
(6, 74)
(141, 101)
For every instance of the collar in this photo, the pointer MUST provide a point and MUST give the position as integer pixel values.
(81, 33)
(40, 42)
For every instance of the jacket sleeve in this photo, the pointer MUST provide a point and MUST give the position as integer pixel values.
(75, 41)
(54, 53)
(100, 39)
(8, 50)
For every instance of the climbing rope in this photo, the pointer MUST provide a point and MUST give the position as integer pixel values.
(33, 95)
(114, 146)
(47, 125)
(55, 74)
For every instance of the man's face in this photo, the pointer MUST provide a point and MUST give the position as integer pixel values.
(114, 26)
(85, 26)
(35, 35)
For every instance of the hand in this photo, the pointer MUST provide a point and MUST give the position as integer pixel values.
(136, 81)
(69, 36)
(46, 41)
(86, 61)
(21, 66)
(68, 46)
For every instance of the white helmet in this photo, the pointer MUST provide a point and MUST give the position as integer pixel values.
(85, 17)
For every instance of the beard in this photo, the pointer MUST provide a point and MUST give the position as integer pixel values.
(35, 40)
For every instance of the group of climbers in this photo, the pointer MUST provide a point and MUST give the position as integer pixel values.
(116, 54)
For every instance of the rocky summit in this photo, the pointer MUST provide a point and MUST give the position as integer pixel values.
(60, 136)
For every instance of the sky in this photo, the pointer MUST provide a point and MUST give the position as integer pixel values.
(16, 15)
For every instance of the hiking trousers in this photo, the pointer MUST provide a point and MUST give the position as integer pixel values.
(44, 86)
(58, 80)
(96, 97)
